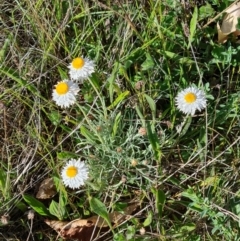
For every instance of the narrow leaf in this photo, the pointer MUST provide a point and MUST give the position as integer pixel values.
(64, 155)
(148, 220)
(116, 123)
(193, 24)
(111, 80)
(154, 141)
(3, 179)
(160, 201)
(86, 133)
(119, 99)
(151, 103)
(23, 83)
(141, 116)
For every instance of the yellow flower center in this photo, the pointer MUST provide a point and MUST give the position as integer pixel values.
(62, 88)
(72, 171)
(190, 98)
(78, 63)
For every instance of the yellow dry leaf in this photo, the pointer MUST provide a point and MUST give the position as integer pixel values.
(229, 23)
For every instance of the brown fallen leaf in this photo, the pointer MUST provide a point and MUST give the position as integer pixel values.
(88, 229)
(47, 189)
(79, 229)
(229, 23)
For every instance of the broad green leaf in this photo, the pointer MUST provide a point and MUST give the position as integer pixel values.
(100, 209)
(119, 99)
(36, 205)
(148, 220)
(193, 25)
(57, 210)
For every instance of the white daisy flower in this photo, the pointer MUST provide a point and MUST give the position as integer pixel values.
(65, 93)
(81, 69)
(191, 99)
(74, 174)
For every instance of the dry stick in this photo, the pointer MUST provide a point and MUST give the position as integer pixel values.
(30, 231)
(220, 14)
(214, 159)
(184, 165)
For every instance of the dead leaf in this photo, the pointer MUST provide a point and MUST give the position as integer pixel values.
(229, 23)
(79, 229)
(88, 229)
(56, 224)
(222, 38)
(47, 189)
